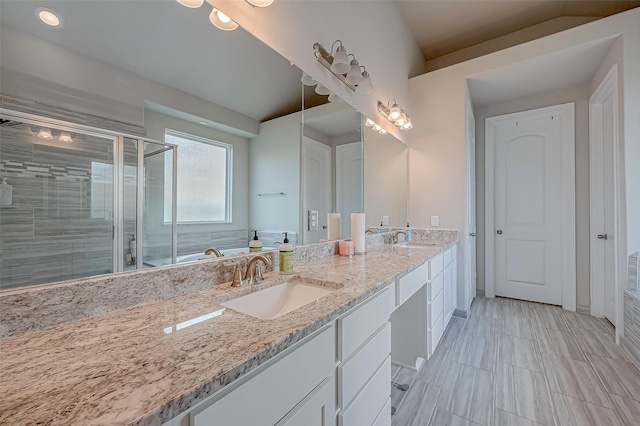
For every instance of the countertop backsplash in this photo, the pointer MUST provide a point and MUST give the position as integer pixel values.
(34, 308)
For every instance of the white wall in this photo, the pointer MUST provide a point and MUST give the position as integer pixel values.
(437, 142)
(381, 42)
(156, 125)
(580, 95)
(385, 179)
(274, 166)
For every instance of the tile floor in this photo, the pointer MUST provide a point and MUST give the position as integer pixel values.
(519, 363)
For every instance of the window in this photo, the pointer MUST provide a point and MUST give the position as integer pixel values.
(204, 179)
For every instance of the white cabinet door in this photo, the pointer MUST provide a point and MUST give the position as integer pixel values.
(447, 293)
(272, 393)
(317, 409)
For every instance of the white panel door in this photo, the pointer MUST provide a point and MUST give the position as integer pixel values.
(606, 237)
(348, 184)
(470, 211)
(316, 178)
(528, 209)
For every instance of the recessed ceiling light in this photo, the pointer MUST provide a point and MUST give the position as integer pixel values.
(49, 17)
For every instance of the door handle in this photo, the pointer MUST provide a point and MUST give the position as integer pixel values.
(499, 232)
(602, 236)
(324, 226)
(473, 234)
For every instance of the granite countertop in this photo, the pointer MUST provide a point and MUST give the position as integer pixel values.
(134, 366)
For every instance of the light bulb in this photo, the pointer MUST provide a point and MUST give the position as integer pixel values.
(260, 3)
(402, 120)
(365, 87)
(48, 17)
(321, 90)
(334, 98)
(394, 112)
(369, 122)
(354, 76)
(382, 131)
(307, 80)
(65, 137)
(194, 4)
(340, 64)
(376, 127)
(407, 125)
(222, 21)
(45, 133)
(224, 18)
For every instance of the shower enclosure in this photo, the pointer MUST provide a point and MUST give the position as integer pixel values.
(80, 201)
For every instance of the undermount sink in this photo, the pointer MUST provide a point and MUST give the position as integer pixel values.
(415, 244)
(277, 300)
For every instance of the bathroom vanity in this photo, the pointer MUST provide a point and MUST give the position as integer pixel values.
(188, 360)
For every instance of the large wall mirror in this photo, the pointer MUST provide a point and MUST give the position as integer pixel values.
(248, 150)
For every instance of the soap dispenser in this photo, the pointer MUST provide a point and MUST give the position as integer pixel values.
(409, 233)
(286, 257)
(255, 245)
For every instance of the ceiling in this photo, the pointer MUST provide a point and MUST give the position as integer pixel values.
(239, 72)
(229, 68)
(441, 27)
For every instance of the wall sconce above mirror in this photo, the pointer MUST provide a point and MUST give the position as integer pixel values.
(347, 71)
(395, 114)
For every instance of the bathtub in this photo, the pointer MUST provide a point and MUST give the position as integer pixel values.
(187, 258)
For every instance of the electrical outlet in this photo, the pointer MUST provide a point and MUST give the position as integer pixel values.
(435, 220)
(385, 220)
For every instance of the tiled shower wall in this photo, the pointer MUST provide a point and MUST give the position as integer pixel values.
(55, 228)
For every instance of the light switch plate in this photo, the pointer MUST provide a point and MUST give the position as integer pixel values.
(385, 220)
(312, 222)
(435, 220)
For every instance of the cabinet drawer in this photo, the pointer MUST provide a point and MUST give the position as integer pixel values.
(435, 334)
(294, 378)
(436, 265)
(447, 257)
(411, 283)
(436, 308)
(358, 325)
(354, 373)
(365, 408)
(384, 418)
(435, 287)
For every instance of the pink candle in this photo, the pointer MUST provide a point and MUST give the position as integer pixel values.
(346, 248)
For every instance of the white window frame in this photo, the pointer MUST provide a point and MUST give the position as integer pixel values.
(229, 175)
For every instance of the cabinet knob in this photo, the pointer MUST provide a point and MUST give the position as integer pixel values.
(473, 234)
(602, 236)
(499, 232)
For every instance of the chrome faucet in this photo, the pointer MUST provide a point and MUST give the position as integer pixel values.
(253, 273)
(215, 251)
(395, 236)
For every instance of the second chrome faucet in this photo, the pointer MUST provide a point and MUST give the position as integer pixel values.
(253, 273)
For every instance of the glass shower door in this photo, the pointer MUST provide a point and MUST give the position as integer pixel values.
(57, 215)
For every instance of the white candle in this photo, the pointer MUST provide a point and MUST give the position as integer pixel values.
(333, 226)
(357, 232)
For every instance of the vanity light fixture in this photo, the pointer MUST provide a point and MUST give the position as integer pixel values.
(65, 137)
(216, 17)
(222, 21)
(45, 133)
(49, 17)
(375, 127)
(347, 71)
(396, 115)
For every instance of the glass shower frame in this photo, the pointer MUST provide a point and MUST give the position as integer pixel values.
(118, 139)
